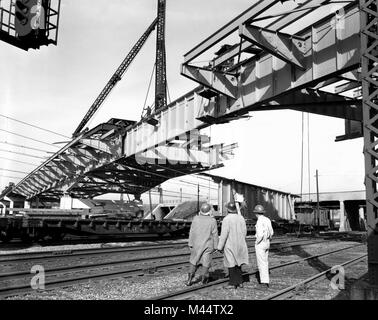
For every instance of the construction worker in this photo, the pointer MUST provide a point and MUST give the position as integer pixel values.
(264, 233)
(233, 245)
(203, 241)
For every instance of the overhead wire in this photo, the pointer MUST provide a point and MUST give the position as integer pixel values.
(34, 126)
(15, 171)
(23, 154)
(22, 136)
(21, 146)
(10, 177)
(18, 161)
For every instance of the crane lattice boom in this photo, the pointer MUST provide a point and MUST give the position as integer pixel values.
(117, 76)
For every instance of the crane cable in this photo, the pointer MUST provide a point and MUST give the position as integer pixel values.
(148, 90)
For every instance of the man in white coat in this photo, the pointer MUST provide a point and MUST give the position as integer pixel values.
(264, 233)
(233, 244)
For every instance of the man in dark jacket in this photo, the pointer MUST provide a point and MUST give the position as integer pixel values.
(203, 240)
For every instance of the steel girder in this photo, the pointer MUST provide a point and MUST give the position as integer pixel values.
(103, 160)
(320, 54)
(369, 66)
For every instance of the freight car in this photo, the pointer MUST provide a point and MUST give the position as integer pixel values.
(32, 225)
(312, 218)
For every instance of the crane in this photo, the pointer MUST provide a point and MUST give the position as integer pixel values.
(161, 83)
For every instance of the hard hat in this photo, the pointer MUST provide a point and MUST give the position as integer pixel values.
(205, 209)
(259, 209)
(231, 207)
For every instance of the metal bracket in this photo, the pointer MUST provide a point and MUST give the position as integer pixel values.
(286, 47)
(217, 81)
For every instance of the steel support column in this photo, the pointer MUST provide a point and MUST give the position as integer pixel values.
(369, 64)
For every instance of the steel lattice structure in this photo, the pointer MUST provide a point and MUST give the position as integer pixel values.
(161, 73)
(369, 70)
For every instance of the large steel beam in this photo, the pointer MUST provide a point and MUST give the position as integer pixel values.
(248, 15)
(369, 66)
(329, 52)
(318, 102)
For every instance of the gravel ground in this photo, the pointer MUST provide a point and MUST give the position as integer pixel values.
(156, 284)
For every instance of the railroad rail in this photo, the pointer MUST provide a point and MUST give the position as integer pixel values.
(145, 265)
(284, 293)
(106, 249)
(188, 292)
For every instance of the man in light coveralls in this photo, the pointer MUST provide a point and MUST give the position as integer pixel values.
(264, 233)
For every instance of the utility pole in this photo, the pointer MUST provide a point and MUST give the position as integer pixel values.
(150, 199)
(180, 194)
(160, 194)
(198, 190)
(317, 199)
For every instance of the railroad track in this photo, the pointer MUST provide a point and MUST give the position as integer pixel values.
(187, 293)
(19, 244)
(30, 256)
(58, 277)
(288, 292)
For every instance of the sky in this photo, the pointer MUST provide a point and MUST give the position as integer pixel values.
(54, 87)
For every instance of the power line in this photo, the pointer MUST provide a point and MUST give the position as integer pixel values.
(20, 135)
(16, 171)
(13, 160)
(23, 154)
(10, 177)
(34, 126)
(194, 184)
(21, 146)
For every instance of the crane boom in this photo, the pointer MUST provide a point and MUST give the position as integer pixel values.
(161, 73)
(116, 77)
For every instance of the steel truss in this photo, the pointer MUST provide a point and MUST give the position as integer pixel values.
(102, 160)
(369, 73)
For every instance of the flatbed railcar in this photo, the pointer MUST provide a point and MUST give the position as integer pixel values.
(55, 226)
(34, 225)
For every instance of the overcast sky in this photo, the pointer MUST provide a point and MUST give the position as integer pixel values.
(53, 88)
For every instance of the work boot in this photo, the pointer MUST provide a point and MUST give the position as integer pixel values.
(230, 286)
(190, 278)
(204, 279)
